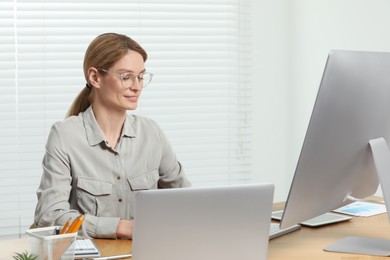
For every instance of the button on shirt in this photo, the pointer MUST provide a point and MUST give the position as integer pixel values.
(83, 174)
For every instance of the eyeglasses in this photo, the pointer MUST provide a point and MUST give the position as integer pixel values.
(128, 79)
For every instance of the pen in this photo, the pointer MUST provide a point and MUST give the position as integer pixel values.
(112, 257)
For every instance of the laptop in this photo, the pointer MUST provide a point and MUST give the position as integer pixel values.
(229, 222)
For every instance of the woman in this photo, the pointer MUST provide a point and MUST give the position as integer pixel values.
(98, 156)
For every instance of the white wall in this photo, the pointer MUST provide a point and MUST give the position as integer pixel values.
(291, 40)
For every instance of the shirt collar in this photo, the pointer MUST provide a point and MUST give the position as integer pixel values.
(94, 133)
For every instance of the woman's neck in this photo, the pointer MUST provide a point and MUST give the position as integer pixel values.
(110, 122)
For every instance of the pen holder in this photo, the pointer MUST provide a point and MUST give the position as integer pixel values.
(48, 246)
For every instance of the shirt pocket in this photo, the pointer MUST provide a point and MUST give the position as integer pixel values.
(145, 181)
(94, 196)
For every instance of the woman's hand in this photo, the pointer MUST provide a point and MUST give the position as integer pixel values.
(125, 229)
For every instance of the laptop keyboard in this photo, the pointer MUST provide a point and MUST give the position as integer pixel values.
(276, 231)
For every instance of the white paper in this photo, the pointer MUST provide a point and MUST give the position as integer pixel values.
(362, 209)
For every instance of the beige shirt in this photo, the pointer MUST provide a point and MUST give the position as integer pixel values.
(82, 174)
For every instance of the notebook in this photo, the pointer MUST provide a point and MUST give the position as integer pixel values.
(229, 222)
(85, 248)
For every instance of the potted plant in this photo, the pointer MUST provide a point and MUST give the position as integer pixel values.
(25, 256)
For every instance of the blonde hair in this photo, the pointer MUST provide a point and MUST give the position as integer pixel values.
(103, 52)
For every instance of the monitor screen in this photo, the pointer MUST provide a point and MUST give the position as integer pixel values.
(336, 165)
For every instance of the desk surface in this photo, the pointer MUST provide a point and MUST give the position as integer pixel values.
(306, 243)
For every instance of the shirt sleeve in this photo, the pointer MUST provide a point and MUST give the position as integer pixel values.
(54, 192)
(171, 171)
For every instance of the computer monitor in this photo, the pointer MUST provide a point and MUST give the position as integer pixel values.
(336, 164)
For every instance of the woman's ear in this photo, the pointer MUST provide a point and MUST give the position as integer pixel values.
(93, 77)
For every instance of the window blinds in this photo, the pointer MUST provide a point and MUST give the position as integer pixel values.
(199, 52)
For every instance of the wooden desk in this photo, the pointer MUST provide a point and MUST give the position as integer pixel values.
(107, 247)
(113, 247)
(306, 243)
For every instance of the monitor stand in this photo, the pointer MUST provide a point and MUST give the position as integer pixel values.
(368, 245)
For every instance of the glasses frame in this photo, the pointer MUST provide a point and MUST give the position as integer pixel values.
(133, 77)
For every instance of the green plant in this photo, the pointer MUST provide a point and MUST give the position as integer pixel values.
(25, 256)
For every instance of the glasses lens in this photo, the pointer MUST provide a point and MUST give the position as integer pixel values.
(147, 77)
(128, 80)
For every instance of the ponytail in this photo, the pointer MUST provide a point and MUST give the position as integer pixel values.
(81, 103)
